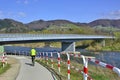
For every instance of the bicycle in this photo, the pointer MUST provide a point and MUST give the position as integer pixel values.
(33, 60)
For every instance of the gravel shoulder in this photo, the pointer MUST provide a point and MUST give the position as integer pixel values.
(11, 73)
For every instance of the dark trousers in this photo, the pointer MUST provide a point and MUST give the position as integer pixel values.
(33, 58)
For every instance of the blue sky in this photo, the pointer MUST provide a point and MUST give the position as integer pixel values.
(74, 10)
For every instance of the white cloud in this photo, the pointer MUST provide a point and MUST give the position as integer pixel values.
(12, 14)
(18, 1)
(22, 1)
(21, 14)
(25, 2)
(36, 0)
(112, 15)
(115, 13)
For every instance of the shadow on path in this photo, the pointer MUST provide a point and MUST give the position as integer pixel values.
(30, 64)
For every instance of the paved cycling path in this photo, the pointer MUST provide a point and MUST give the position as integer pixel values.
(29, 72)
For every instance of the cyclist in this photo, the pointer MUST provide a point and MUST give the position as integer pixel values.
(33, 54)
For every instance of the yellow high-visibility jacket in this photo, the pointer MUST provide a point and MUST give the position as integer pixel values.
(33, 52)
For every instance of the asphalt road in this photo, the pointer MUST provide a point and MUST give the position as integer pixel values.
(29, 72)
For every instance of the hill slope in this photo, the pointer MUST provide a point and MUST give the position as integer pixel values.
(105, 23)
(12, 26)
(59, 26)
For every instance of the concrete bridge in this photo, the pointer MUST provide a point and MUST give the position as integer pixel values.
(67, 40)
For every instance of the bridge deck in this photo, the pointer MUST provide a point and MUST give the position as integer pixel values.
(49, 37)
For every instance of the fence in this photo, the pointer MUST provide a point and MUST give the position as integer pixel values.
(3, 59)
(49, 55)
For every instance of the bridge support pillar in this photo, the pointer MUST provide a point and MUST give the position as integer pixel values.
(68, 46)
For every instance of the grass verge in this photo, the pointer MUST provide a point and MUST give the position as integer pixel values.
(94, 71)
(2, 70)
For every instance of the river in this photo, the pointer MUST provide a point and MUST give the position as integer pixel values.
(112, 58)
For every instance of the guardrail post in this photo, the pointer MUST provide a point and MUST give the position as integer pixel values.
(40, 55)
(43, 56)
(19, 53)
(37, 54)
(29, 54)
(68, 63)
(47, 58)
(22, 53)
(3, 60)
(85, 70)
(25, 53)
(15, 52)
(58, 61)
(51, 59)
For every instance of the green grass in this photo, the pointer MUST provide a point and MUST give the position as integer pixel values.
(67, 29)
(2, 70)
(106, 28)
(96, 72)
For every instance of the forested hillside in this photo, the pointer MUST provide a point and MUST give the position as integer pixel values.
(12, 26)
(101, 26)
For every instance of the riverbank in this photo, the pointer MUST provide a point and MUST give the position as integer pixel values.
(11, 73)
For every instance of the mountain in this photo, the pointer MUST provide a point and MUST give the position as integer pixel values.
(59, 26)
(100, 22)
(38, 25)
(12, 26)
(105, 23)
(41, 24)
